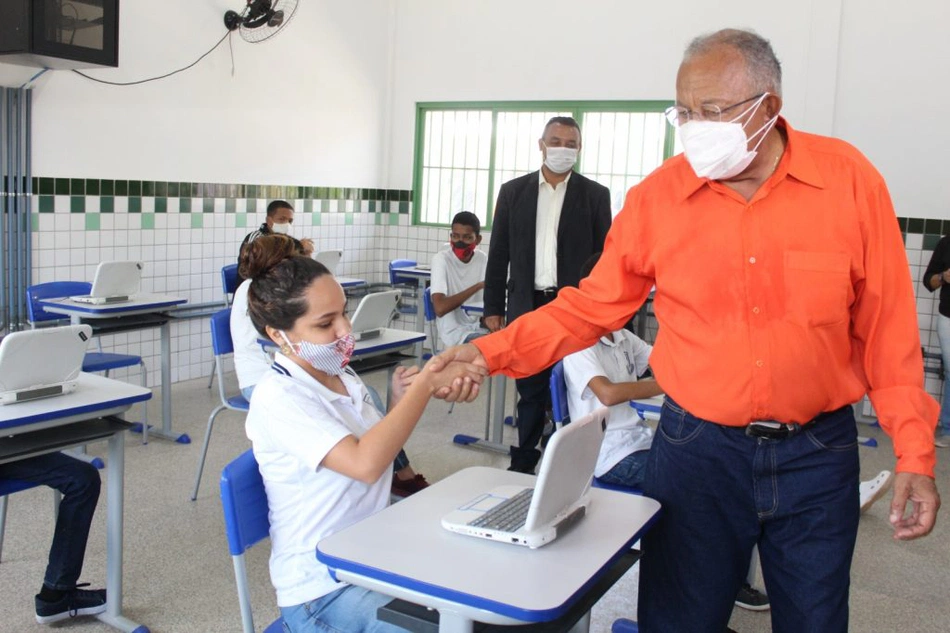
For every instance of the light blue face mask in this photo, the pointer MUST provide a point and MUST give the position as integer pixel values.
(330, 358)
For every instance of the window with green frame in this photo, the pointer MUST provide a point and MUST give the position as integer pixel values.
(465, 151)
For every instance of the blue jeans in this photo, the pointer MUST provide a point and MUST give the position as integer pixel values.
(723, 492)
(629, 471)
(943, 335)
(79, 484)
(351, 609)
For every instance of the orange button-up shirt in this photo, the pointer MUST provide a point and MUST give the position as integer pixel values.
(795, 302)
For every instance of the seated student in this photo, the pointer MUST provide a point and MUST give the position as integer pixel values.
(458, 276)
(280, 217)
(251, 362)
(78, 481)
(324, 452)
(607, 374)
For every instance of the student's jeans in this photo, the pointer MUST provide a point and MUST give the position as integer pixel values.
(79, 484)
(351, 609)
(722, 492)
(629, 471)
(943, 335)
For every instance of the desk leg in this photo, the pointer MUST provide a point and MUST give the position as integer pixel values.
(115, 486)
(452, 622)
(582, 625)
(420, 315)
(494, 423)
(166, 430)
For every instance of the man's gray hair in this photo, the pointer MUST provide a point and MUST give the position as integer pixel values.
(765, 71)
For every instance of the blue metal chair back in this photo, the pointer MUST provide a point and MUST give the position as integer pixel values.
(558, 387)
(221, 341)
(51, 290)
(396, 278)
(244, 503)
(427, 304)
(229, 280)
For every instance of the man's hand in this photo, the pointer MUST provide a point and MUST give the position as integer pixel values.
(921, 492)
(307, 244)
(494, 323)
(467, 353)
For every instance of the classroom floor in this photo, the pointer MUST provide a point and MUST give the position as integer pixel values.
(179, 577)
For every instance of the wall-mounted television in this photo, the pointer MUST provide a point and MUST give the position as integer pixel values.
(60, 33)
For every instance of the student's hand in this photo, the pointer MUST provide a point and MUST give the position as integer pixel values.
(402, 377)
(494, 323)
(924, 501)
(468, 354)
(945, 276)
(307, 244)
(458, 377)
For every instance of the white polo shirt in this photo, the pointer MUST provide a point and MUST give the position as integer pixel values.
(450, 275)
(293, 423)
(619, 357)
(251, 362)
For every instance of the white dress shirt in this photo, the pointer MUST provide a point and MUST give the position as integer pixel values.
(550, 202)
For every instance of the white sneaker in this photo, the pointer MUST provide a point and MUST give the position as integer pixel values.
(872, 490)
(942, 441)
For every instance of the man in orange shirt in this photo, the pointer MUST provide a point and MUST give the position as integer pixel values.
(782, 296)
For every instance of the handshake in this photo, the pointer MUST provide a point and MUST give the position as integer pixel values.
(457, 373)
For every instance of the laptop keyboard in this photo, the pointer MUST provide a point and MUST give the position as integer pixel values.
(509, 515)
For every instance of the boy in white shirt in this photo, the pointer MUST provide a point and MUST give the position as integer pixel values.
(458, 276)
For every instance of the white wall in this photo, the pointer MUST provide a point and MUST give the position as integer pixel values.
(306, 107)
(450, 50)
(892, 96)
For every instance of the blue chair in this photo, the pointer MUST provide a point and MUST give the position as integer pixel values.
(430, 319)
(408, 285)
(93, 361)
(229, 284)
(244, 503)
(223, 345)
(623, 625)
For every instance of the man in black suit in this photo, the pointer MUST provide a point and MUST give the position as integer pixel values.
(546, 225)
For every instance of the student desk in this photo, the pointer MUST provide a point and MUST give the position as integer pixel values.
(468, 579)
(141, 312)
(52, 424)
(349, 283)
(421, 275)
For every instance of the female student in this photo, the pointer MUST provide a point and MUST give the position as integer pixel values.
(324, 453)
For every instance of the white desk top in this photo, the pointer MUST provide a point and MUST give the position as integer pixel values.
(653, 405)
(487, 578)
(142, 303)
(93, 394)
(389, 340)
(414, 271)
(476, 306)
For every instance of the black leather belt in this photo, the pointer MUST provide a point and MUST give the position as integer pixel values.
(548, 293)
(772, 430)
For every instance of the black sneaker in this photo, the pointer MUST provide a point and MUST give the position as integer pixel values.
(76, 602)
(752, 599)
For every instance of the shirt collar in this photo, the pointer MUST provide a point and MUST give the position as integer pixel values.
(611, 340)
(796, 162)
(542, 181)
(353, 385)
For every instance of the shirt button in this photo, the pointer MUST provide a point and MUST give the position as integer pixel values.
(759, 363)
(755, 310)
(752, 260)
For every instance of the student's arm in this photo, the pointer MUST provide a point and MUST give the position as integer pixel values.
(934, 275)
(611, 393)
(444, 304)
(367, 458)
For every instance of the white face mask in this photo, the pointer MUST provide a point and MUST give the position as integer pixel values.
(281, 229)
(719, 150)
(330, 358)
(560, 160)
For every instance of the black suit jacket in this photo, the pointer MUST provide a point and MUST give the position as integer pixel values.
(585, 219)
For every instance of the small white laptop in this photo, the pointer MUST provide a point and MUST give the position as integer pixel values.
(536, 516)
(41, 363)
(330, 259)
(115, 282)
(373, 314)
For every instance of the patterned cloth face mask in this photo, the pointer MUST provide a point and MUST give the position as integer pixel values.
(330, 358)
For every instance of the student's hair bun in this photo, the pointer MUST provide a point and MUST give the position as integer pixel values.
(266, 252)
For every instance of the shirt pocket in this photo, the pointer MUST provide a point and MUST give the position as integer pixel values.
(817, 288)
